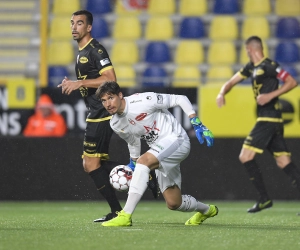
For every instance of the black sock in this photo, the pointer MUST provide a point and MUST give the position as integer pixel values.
(101, 180)
(294, 173)
(256, 179)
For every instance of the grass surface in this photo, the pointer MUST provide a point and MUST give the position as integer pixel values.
(69, 225)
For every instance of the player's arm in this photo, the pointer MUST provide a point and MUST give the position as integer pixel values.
(102, 62)
(202, 132)
(107, 74)
(288, 84)
(227, 86)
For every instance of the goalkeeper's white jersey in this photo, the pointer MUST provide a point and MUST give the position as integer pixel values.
(146, 117)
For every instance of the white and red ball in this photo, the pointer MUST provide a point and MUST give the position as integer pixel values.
(120, 178)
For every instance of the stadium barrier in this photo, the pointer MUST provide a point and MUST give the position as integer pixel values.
(51, 169)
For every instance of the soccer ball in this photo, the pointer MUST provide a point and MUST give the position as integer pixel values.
(120, 177)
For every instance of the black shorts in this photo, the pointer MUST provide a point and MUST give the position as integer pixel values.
(97, 134)
(267, 135)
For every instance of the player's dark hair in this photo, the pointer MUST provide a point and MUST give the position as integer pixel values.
(87, 14)
(253, 39)
(108, 88)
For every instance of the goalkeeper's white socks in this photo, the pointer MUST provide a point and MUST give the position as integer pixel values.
(190, 204)
(138, 186)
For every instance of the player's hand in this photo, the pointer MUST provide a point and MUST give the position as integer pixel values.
(67, 86)
(263, 99)
(220, 100)
(202, 132)
(132, 164)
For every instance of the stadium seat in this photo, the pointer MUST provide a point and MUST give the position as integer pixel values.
(60, 53)
(218, 74)
(122, 9)
(256, 26)
(154, 76)
(65, 7)
(157, 52)
(100, 28)
(56, 74)
(127, 27)
(126, 75)
(221, 52)
(287, 8)
(159, 28)
(189, 52)
(60, 28)
(186, 76)
(192, 7)
(256, 7)
(124, 52)
(223, 27)
(287, 52)
(288, 28)
(158, 7)
(243, 57)
(191, 28)
(97, 7)
(226, 7)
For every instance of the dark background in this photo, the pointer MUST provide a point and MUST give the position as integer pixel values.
(51, 169)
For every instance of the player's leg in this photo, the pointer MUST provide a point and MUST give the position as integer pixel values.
(169, 179)
(96, 164)
(256, 178)
(258, 139)
(171, 189)
(148, 161)
(282, 155)
(100, 177)
(138, 186)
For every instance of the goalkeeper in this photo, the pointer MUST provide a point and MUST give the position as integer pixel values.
(146, 116)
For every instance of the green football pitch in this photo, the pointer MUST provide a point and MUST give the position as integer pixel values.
(69, 225)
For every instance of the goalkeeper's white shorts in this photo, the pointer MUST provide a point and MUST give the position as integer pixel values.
(170, 152)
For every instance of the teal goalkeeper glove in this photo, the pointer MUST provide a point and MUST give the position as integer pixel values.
(132, 164)
(202, 132)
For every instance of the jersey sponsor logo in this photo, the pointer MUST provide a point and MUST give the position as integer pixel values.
(150, 137)
(83, 60)
(83, 91)
(122, 129)
(154, 150)
(258, 72)
(104, 61)
(134, 101)
(160, 99)
(131, 121)
(151, 133)
(141, 117)
(89, 144)
(100, 51)
(115, 123)
(159, 146)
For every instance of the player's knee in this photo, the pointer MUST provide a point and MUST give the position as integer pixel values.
(173, 205)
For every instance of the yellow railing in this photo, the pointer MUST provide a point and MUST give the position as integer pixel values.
(43, 70)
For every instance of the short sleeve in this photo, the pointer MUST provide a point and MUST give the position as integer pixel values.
(101, 58)
(245, 71)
